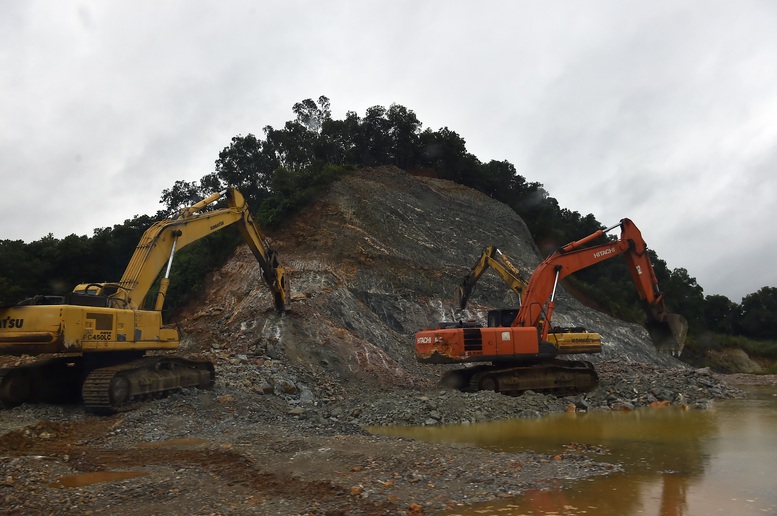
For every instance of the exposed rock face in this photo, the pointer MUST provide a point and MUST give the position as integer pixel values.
(372, 262)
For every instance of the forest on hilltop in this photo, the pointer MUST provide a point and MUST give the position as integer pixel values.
(287, 168)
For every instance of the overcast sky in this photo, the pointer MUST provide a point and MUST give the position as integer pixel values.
(661, 111)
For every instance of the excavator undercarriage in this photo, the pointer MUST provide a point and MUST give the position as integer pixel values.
(110, 382)
(119, 388)
(556, 376)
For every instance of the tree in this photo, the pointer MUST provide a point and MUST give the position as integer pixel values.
(312, 116)
(246, 165)
(446, 152)
(373, 143)
(685, 297)
(757, 317)
(497, 180)
(403, 130)
(292, 147)
(22, 272)
(338, 142)
(181, 195)
(720, 314)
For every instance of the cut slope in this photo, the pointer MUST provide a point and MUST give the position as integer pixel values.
(371, 262)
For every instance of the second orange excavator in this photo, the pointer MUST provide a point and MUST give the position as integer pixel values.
(519, 350)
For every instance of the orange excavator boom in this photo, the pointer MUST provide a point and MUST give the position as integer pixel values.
(666, 330)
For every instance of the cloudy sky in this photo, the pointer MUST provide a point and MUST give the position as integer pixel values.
(662, 111)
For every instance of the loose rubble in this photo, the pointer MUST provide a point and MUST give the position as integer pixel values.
(238, 449)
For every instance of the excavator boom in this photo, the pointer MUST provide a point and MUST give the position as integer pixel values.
(159, 243)
(667, 330)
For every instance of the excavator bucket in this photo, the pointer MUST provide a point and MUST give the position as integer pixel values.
(668, 335)
(462, 296)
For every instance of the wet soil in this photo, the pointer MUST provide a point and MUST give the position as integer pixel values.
(233, 451)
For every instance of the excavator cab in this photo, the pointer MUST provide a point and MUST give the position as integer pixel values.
(96, 294)
(502, 317)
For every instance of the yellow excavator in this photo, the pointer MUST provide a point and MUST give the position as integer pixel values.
(493, 258)
(93, 341)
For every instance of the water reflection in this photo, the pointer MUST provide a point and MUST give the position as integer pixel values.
(675, 462)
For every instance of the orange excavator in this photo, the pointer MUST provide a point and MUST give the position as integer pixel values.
(519, 350)
(568, 340)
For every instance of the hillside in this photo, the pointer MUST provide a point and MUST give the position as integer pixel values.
(373, 261)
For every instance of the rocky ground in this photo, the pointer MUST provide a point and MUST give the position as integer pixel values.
(285, 430)
(268, 440)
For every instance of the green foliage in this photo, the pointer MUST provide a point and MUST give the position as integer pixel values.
(182, 195)
(757, 316)
(22, 272)
(720, 314)
(754, 348)
(687, 297)
(247, 164)
(758, 349)
(311, 115)
(698, 347)
(293, 190)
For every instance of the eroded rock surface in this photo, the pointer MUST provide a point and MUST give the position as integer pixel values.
(374, 261)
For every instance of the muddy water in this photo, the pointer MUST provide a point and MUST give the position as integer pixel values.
(674, 462)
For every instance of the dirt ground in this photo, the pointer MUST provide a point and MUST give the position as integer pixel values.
(228, 452)
(108, 465)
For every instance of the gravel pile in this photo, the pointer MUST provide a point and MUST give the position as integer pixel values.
(268, 425)
(622, 387)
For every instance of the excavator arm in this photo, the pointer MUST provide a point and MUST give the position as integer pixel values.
(496, 260)
(159, 243)
(666, 330)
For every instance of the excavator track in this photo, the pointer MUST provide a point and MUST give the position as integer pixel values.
(121, 387)
(551, 376)
(53, 379)
(14, 389)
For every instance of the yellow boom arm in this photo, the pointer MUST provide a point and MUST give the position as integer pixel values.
(494, 258)
(159, 243)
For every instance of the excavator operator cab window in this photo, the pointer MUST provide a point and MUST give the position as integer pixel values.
(109, 290)
(502, 317)
(81, 299)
